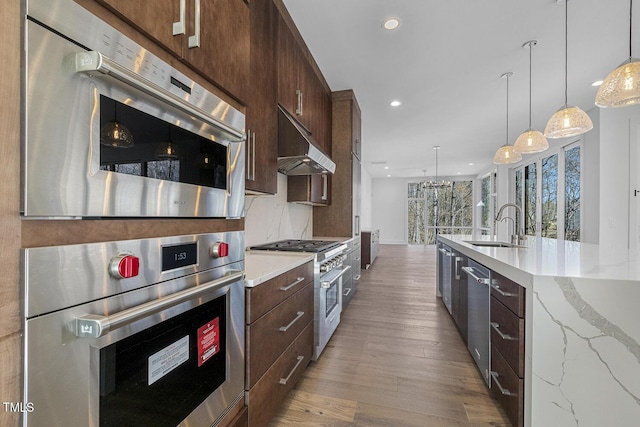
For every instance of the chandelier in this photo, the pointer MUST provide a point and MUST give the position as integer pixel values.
(436, 183)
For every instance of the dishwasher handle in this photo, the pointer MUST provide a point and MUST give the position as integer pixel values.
(471, 272)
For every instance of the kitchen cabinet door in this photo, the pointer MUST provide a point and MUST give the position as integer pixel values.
(342, 218)
(312, 190)
(221, 53)
(153, 18)
(262, 115)
(300, 90)
(288, 60)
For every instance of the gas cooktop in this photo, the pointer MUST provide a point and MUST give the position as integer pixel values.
(298, 246)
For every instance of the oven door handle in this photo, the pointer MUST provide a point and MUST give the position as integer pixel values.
(326, 284)
(93, 61)
(96, 326)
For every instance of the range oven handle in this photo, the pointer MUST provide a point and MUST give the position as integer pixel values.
(93, 61)
(326, 284)
(96, 326)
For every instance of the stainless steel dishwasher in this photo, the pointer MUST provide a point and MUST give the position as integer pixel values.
(444, 274)
(478, 281)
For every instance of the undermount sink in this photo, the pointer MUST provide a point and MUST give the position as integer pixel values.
(493, 244)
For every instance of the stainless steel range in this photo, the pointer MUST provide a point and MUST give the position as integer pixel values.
(328, 270)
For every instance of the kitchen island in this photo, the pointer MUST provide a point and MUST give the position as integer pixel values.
(582, 333)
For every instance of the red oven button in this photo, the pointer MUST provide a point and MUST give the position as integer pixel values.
(219, 250)
(124, 266)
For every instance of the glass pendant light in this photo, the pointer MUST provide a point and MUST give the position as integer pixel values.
(622, 86)
(115, 134)
(568, 120)
(530, 141)
(506, 154)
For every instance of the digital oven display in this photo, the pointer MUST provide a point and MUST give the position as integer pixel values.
(179, 256)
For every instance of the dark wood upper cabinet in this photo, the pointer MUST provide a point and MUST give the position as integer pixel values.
(314, 190)
(301, 91)
(222, 54)
(342, 218)
(262, 119)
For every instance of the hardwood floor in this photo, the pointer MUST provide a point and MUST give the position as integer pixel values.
(396, 359)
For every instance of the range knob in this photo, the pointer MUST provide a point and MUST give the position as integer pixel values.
(219, 250)
(323, 268)
(124, 266)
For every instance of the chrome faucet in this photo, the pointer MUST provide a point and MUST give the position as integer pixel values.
(518, 233)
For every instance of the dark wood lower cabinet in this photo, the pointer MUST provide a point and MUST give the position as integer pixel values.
(279, 340)
(507, 388)
(265, 398)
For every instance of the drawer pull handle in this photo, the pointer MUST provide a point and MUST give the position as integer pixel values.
(496, 327)
(357, 259)
(346, 292)
(286, 288)
(503, 390)
(298, 317)
(501, 292)
(470, 272)
(284, 381)
(356, 278)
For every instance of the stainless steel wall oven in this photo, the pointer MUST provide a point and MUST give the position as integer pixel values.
(111, 130)
(139, 332)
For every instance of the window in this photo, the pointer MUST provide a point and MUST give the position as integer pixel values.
(434, 211)
(572, 194)
(549, 192)
(549, 202)
(530, 197)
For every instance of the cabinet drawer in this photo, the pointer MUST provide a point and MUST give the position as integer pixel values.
(507, 335)
(270, 335)
(507, 388)
(268, 394)
(265, 296)
(508, 292)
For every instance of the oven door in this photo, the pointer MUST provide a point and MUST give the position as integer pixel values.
(187, 156)
(171, 354)
(329, 306)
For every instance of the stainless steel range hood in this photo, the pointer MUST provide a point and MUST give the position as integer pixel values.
(298, 151)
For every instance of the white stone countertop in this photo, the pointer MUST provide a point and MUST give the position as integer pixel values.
(261, 266)
(551, 257)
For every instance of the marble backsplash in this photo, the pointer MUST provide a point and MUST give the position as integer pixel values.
(271, 218)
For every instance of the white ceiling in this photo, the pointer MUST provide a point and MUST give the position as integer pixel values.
(444, 63)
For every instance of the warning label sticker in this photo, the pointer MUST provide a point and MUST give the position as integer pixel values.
(208, 340)
(167, 359)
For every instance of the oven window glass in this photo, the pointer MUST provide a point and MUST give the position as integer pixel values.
(332, 296)
(158, 376)
(161, 150)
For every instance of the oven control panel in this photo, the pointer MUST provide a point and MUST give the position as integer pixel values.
(332, 263)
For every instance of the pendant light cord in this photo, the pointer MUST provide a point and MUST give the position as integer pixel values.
(566, 51)
(630, 25)
(530, 56)
(507, 138)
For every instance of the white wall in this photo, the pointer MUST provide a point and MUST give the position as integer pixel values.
(590, 227)
(389, 205)
(271, 218)
(618, 176)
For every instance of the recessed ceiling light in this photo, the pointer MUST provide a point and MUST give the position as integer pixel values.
(470, 164)
(459, 173)
(597, 83)
(395, 103)
(386, 167)
(388, 176)
(391, 24)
